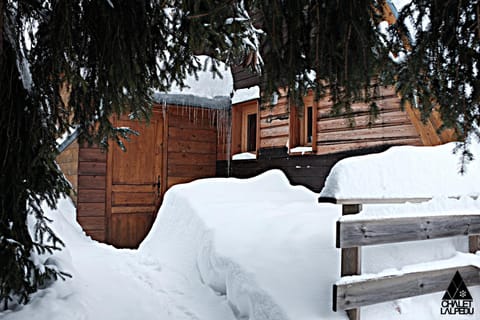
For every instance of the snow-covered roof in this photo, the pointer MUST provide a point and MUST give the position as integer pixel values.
(218, 102)
(205, 83)
(242, 95)
(67, 138)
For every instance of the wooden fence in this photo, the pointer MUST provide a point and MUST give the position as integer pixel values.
(352, 234)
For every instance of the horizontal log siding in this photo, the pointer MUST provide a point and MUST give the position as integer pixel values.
(274, 124)
(68, 162)
(192, 144)
(92, 170)
(358, 129)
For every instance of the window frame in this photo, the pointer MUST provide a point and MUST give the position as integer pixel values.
(240, 113)
(299, 124)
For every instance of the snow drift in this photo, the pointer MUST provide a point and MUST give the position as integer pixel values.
(259, 249)
(405, 171)
(254, 241)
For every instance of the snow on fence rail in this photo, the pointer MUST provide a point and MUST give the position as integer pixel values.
(352, 234)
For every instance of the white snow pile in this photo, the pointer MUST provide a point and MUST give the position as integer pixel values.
(115, 284)
(260, 243)
(404, 172)
(256, 249)
(301, 150)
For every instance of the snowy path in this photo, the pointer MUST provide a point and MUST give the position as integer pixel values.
(118, 284)
(121, 274)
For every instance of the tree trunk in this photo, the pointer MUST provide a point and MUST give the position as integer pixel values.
(2, 7)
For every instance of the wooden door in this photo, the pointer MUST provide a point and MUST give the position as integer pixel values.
(136, 182)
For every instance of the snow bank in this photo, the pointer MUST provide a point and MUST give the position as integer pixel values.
(404, 172)
(59, 300)
(114, 284)
(257, 249)
(264, 245)
(268, 249)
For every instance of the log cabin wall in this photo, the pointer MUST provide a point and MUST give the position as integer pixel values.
(392, 126)
(92, 170)
(192, 143)
(334, 137)
(283, 124)
(67, 159)
(186, 146)
(223, 125)
(274, 123)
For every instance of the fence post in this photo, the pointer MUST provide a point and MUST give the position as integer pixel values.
(351, 258)
(473, 243)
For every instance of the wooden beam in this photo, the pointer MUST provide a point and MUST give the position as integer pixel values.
(387, 288)
(372, 200)
(389, 230)
(351, 259)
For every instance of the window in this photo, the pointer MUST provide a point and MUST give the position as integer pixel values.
(244, 127)
(303, 127)
(251, 139)
(308, 127)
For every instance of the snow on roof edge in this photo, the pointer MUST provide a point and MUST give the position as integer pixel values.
(246, 94)
(218, 102)
(69, 140)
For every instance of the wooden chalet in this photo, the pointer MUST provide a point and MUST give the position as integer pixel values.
(118, 193)
(305, 142)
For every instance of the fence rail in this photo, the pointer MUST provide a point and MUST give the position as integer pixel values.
(352, 234)
(387, 288)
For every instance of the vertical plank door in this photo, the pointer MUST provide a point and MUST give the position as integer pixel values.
(135, 191)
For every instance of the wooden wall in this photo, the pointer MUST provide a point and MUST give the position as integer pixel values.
(274, 123)
(191, 145)
(336, 133)
(191, 139)
(223, 126)
(92, 169)
(68, 162)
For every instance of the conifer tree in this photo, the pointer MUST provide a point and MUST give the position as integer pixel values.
(65, 62)
(441, 68)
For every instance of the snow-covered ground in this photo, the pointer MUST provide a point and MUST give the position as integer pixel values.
(255, 249)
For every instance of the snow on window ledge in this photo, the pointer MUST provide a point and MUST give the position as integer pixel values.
(244, 156)
(301, 150)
